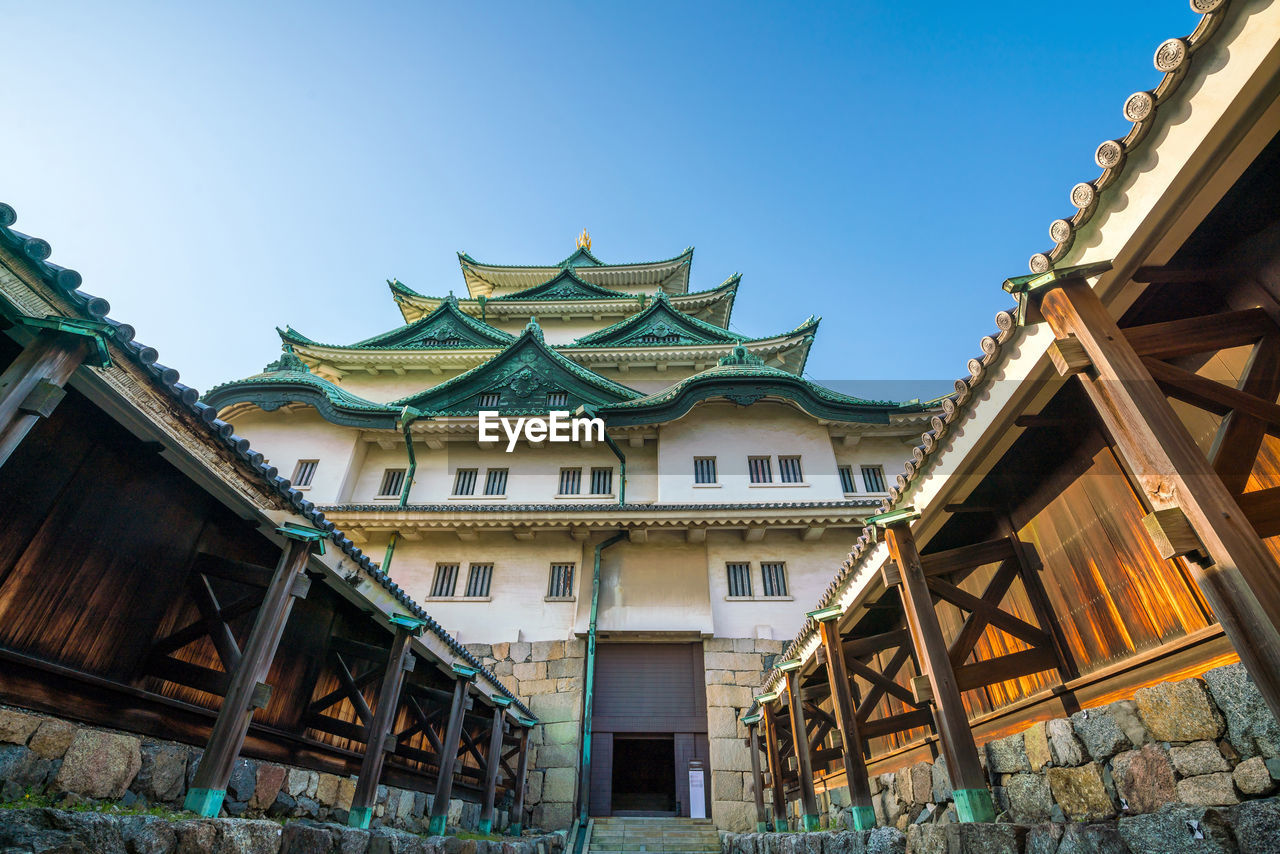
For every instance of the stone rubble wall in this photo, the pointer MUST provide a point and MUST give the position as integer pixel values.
(1206, 742)
(42, 755)
(549, 677)
(735, 672)
(1251, 827)
(52, 830)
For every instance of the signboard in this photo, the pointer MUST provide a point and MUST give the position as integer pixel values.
(697, 790)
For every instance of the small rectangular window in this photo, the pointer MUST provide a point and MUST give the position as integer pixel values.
(789, 469)
(303, 474)
(490, 400)
(392, 483)
(464, 482)
(557, 399)
(570, 481)
(846, 479)
(495, 482)
(445, 581)
(704, 469)
(739, 579)
(775, 578)
(761, 469)
(601, 481)
(561, 586)
(478, 577)
(873, 478)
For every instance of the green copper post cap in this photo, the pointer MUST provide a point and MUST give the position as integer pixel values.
(500, 701)
(294, 531)
(904, 514)
(97, 331)
(464, 672)
(404, 621)
(767, 698)
(1036, 281)
(823, 614)
(748, 720)
(788, 665)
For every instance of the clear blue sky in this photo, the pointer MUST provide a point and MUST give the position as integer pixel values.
(216, 170)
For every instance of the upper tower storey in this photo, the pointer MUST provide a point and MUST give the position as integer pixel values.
(496, 280)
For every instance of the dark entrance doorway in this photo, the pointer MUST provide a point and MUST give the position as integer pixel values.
(643, 775)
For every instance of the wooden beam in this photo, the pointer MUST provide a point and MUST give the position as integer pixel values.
(757, 779)
(522, 774)
(1003, 620)
(399, 659)
(209, 785)
(1068, 356)
(804, 767)
(857, 647)
(1211, 395)
(978, 620)
(855, 768)
(493, 761)
(448, 758)
(1262, 507)
(775, 767)
(1011, 665)
(1188, 337)
(1039, 599)
(31, 386)
(1240, 435)
(972, 798)
(964, 558)
(882, 683)
(897, 723)
(1242, 585)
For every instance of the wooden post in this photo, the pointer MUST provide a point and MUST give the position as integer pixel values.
(972, 797)
(757, 779)
(800, 740)
(493, 760)
(855, 768)
(522, 773)
(1239, 578)
(379, 740)
(31, 387)
(775, 769)
(449, 752)
(246, 691)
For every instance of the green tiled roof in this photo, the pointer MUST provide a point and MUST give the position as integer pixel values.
(445, 328)
(744, 379)
(658, 325)
(288, 380)
(565, 285)
(580, 258)
(521, 376)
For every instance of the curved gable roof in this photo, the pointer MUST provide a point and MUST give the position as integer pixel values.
(659, 324)
(446, 327)
(521, 375)
(565, 285)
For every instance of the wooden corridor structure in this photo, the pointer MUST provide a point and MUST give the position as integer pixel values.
(135, 596)
(1125, 529)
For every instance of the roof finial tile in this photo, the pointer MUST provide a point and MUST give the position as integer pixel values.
(584, 240)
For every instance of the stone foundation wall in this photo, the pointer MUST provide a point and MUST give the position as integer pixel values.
(51, 830)
(1202, 742)
(1252, 827)
(549, 677)
(44, 756)
(735, 670)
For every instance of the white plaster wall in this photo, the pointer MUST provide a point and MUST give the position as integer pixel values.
(810, 567)
(889, 453)
(388, 385)
(284, 437)
(731, 433)
(518, 610)
(656, 586)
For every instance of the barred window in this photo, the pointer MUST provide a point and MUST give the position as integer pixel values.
(761, 470)
(557, 399)
(303, 474)
(490, 400)
(464, 482)
(570, 481)
(704, 469)
(392, 483)
(739, 579)
(775, 578)
(873, 478)
(601, 481)
(561, 586)
(789, 469)
(846, 479)
(495, 482)
(478, 577)
(445, 581)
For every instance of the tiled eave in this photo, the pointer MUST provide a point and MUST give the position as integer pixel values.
(672, 276)
(716, 304)
(587, 516)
